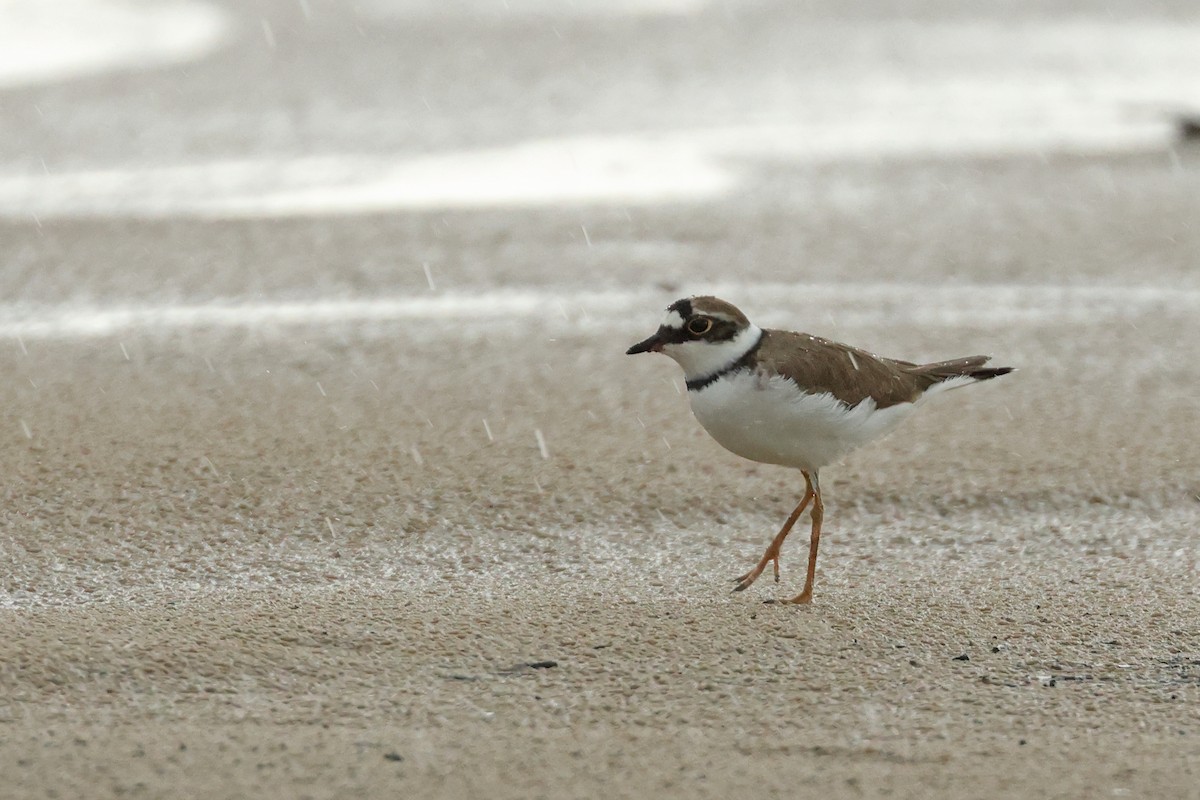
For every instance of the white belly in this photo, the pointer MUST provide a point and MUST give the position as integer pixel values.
(772, 421)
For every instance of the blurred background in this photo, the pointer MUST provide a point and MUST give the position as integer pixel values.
(164, 152)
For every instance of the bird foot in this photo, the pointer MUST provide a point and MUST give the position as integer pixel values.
(744, 581)
(802, 599)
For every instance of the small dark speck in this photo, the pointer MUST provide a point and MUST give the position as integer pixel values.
(601, 646)
(995, 649)
(1021, 742)
(541, 664)
(963, 657)
(1189, 128)
(393, 756)
(1053, 682)
(754, 616)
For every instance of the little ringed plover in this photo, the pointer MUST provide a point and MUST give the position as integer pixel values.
(780, 397)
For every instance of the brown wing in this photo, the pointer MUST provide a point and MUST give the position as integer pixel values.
(851, 374)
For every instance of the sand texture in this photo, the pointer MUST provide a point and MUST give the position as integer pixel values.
(466, 548)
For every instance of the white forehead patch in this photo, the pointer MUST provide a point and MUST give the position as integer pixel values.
(673, 320)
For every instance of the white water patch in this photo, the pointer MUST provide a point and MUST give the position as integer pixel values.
(894, 91)
(678, 166)
(584, 169)
(564, 311)
(48, 40)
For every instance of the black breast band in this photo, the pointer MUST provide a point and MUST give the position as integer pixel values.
(747, 360)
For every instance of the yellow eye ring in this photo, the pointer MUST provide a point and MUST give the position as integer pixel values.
(699, 326)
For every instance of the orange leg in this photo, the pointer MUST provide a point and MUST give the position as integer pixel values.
(772, 551)
(818, 513)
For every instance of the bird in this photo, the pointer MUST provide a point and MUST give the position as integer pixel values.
(793, 399)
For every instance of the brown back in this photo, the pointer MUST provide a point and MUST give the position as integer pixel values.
(851, 374)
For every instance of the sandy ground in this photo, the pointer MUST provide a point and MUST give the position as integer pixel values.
(334, 560)
(293, 564)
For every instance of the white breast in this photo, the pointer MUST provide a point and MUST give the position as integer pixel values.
(769, 419)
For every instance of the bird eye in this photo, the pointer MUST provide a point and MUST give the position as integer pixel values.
(699, 326)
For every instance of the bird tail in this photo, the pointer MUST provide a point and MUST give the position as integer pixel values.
(959, 372)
